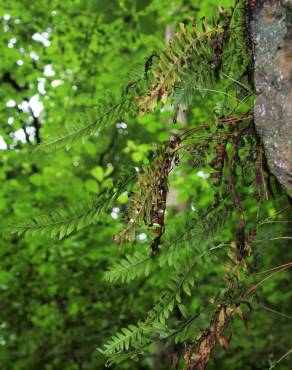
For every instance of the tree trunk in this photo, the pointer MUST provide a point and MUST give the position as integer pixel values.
(271, 39)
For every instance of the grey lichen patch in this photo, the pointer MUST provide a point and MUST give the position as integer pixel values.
(271, 31)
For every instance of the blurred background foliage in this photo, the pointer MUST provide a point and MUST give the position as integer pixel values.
(58, 59)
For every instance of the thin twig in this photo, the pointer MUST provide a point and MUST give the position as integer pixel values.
(281, 358)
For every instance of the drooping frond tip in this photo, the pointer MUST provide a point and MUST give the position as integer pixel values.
(63, 222)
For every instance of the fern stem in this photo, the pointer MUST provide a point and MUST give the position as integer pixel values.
(268, 239)
(274, 268)
(273, 311)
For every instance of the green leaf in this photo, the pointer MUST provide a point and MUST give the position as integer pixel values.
(92, 186)
(36, 179)
(98, 173)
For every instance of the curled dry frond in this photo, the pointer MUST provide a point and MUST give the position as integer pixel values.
(148, 203)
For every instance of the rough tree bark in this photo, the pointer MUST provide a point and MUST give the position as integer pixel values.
(270, 24)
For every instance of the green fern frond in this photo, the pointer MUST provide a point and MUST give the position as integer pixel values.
(129, 336)
(176, 246)
(135, 336)
(63, 222)
(185, 330)
(117, 358)
(190, 84)
(140, 263)
(184, 92)
(155, 322)
(106, 113)
(129, 268)
(161, 332)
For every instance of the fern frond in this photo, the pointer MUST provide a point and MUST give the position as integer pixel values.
(155, 322)
(190, 84)
(135, 336)
(63, 222)
(147, 204)
(185, 330)
(179, 284)
(106, 113)
(117, 358)
(177, 245)
(184, 92)
(129, 268)
(129, 336)
(189, 47)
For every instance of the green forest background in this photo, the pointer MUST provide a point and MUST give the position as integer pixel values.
(59, 58)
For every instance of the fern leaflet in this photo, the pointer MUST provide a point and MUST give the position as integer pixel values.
(129, 268)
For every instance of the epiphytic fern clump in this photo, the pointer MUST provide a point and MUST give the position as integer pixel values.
(198, 61)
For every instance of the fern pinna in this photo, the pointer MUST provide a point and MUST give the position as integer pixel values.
(200, 59)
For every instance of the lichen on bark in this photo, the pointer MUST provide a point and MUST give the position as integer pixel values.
(271, 34)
